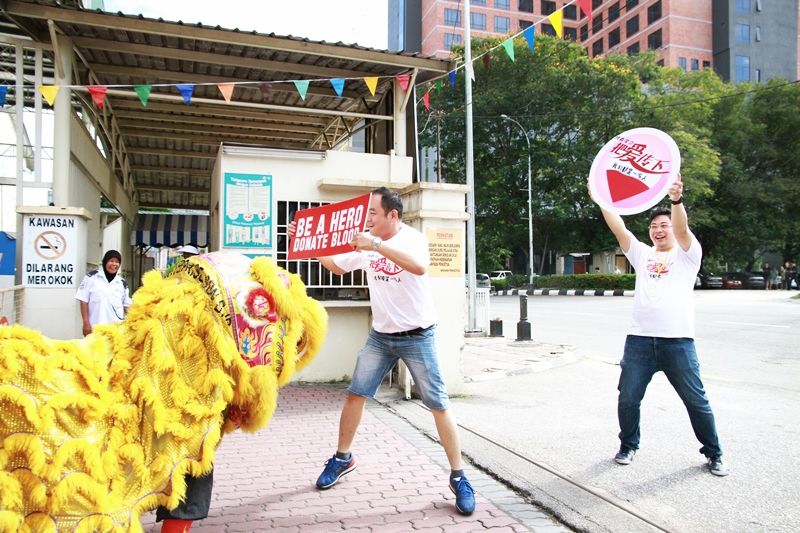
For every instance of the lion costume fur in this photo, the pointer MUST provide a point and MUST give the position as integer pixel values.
(94, 432)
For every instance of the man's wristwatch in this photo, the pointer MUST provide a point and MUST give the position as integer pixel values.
(376, 243)
(678, 201)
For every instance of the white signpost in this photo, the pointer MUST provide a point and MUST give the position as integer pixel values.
(53, 264)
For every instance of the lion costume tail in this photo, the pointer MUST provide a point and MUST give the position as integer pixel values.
(94, 432)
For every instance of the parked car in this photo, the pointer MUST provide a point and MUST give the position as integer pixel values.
(729, 282)
(482, 281)
(749, 280)
(707, 280)
(500, 274)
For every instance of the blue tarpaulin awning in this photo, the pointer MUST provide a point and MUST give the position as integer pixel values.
(171, 230)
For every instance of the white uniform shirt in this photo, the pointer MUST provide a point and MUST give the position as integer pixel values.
(107, 301)
(401, 301)
(663, 304)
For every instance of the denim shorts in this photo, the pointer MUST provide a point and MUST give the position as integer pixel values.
(418, 352)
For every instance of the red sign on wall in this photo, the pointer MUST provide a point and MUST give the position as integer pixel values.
(327, 230)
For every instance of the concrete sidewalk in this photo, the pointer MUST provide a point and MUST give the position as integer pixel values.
(265, 481)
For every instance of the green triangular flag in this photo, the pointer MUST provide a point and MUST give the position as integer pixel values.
(508, 44)
(439, 86)
(143, 91)
(302, 87)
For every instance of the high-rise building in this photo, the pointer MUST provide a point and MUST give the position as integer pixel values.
(743, 40)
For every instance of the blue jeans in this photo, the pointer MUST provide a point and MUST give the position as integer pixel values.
(418, 352)
(643, 357)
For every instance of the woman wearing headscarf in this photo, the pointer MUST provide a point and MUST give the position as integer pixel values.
(103, 294)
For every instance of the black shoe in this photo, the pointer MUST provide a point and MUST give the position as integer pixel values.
(717, 466)
(624, 456)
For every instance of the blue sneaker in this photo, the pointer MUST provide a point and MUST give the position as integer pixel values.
(334, 469)
(465, 495)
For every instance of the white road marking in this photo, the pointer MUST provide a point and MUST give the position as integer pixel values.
(750, 324)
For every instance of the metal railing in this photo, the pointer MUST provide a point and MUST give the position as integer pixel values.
(11, 300)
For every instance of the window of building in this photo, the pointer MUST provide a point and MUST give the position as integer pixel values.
(596, 4)
(632, 26)
(758, 75)
(660, 62)
(758, 34)
(548, 7)
(682, 63)
(478, 2)
(613, 38)
(502, 4)
(597, 48)
(695, 64)
(525, 6)
(654, 40)
(571, 33)
(524, 24)
(597, 25)
(613, 12)
(742, 33)
(743, 6)
(654, 12)
(477, 21)
(758, 5)
(706, 64)
(451, 39)
(548, 29)
(584, 32)
(452, 17)
(502, 24)
(630, 4)
(321, 284)
(571, 12)
(742, 69)
(633, 49)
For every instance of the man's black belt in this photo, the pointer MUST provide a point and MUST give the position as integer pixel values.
(415, 331)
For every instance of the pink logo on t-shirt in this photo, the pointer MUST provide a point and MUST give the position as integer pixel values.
(385, 266)
(655, 267)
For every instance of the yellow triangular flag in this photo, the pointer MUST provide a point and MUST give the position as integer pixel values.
(49, 92)
(557, 18)
(227, 90)
(372, 84)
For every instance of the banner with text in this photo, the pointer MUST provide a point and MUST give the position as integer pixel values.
(327, 230)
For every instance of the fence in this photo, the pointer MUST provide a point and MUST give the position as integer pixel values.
(482, 309)
(11, 299)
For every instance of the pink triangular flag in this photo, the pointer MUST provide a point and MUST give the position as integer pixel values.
(586, 7)
(426, 100)
(227, 90)
(404, 80)
(98, 93)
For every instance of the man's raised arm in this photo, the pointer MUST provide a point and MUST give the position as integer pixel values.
(617, 226)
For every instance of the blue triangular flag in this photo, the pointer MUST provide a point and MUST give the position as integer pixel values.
(529, 36)
(452, 78)
(338, 85)
(186, 90)
(3, 93)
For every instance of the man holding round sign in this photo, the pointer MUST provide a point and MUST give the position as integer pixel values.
(661, 334)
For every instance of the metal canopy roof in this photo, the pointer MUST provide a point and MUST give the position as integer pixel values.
(166, 151)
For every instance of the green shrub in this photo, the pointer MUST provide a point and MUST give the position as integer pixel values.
(500, 284)
(587, 281)
(518, 280)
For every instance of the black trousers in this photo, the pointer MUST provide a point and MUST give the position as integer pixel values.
(197, 502)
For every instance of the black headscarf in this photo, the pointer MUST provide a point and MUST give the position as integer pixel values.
(109, 255)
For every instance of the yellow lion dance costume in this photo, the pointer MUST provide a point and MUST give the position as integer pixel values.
(95, 432)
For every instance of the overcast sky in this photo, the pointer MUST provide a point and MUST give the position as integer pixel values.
(351, 21)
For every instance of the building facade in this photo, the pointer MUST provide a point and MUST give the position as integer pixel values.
(743, 40)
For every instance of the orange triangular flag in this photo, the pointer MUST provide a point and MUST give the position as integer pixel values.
(227, 90)
(557, 18)
(98, 93)
(372, 84)
(404, 80)
(49, 92)
(426, 100)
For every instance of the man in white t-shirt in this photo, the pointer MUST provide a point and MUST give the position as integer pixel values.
(396, 258)
(661, 334)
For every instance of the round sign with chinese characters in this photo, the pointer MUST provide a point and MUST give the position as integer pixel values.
(634, 171)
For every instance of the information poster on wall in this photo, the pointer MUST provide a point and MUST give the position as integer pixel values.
(446, 251)
(247, 201)
(49, 252)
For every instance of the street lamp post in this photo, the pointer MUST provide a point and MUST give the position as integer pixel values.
(530, 208)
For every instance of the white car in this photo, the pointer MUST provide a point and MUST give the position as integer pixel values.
(500, 274)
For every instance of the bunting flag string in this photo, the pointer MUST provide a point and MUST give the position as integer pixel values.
(302, 88)
(557, 19)
(186, 90)
(372, 84)
(226, 89)
(530, 36)
(404, 80)
(143, 92)
(338, 86)
(98, 93)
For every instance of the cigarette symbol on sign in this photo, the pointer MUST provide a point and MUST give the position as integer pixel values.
(50, 245)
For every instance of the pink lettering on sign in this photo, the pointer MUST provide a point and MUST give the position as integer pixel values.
(634, 170)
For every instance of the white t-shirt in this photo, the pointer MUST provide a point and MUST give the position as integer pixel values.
(401, 301)
(107, 301)
(663, 305)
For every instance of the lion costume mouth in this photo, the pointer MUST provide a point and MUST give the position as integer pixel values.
(97, 431)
